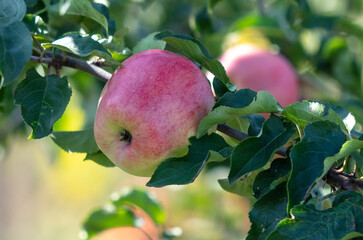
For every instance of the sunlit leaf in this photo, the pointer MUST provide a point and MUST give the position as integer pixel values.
(309, 111)
(237, 104)
(146, 200)
(108, 217)
(194, 49)
(149, 42)
(81, 46)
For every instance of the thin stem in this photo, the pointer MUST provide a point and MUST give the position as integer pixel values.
(73, 62)
(334, 178)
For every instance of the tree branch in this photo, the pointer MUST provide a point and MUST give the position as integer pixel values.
(334, 177)
(68, 61)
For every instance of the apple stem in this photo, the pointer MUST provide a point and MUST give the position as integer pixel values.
(125, 136)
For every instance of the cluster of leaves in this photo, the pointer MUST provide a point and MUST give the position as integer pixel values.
(290, 199)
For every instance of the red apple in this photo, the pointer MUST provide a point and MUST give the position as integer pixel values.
(149, 108)
(249, 66)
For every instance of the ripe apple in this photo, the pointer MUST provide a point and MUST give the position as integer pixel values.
(149, 108)
(249, 66)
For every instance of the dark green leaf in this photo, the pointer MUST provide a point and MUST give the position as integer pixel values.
(254, 152)
(16, 45)
(219, 87)
(146, 200)
(100, 158)
(309, 111)
(322, 139)
(42, 100)
(12, 8)
(184, 170)
(343, 221)
(203, 21)
(106, 218)
(149, 42)
(266, 180)
(101, 8)
(268, 211)
(194, 49)
(256, 122)
(237, 104)
(81, 46)
(76, 141)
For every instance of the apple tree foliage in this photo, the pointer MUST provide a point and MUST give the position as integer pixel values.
(301, 167)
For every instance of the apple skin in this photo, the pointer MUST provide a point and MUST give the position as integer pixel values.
(249, 66)
(159, 98)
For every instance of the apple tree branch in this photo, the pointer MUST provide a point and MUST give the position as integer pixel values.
(334, 177)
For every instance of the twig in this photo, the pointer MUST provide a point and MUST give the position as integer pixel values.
(72, 62)
(334, 178)
(343, 181)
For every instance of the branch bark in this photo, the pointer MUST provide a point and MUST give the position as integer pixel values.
(72, 62)
(334, 177)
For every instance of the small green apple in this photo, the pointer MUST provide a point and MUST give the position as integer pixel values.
(149, 108)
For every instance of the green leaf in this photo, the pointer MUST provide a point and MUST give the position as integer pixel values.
(146, 200)
(256, 122)
(108, 217)
(343, 221)
(309, 111)
(101, 8)
(16, 45)
(81, 46)
(149, 42)
(184, 170)
(219, 87)
(212, 3)
(268, 211)
(242, 187)
(237, 104)
(76, 141)
(268, 179)
(12, 8)
(195, 50)
(81, 8)
(322, 139)
(99, 158)
(42, 100)
(254, 152)
(348, 148)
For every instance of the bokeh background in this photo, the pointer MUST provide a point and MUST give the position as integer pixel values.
(46, 193)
